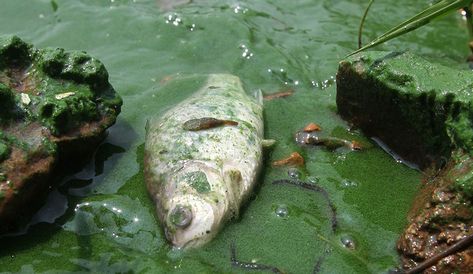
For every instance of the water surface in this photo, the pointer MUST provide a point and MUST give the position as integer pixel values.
(100, 219)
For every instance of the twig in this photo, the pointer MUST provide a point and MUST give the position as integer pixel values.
(317, 189)
(250, 266)
(460, 245)
(319, 262)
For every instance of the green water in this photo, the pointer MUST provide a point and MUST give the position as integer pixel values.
(100, 219)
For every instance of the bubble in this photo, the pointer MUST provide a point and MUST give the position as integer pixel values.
(345, 183)
(348, 242)
(173, 19)
(246, 54)
(282, 211)
(313, 179)
(294, 173)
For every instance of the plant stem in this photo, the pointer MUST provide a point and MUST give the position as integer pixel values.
(360, 30)
(469, 25)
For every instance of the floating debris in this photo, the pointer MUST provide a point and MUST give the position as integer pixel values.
(295, 159)
(281, 94)
(311, 127)
(250, 266)
(61, 96)
(316, 188)
(25, 99)
(206, 123)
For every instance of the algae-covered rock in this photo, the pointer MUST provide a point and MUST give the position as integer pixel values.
(419, 109)
(55, 107)
(424, 112)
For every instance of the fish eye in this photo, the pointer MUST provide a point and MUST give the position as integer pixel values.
(181, 216)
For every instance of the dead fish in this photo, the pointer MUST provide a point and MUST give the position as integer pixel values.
(199, 179)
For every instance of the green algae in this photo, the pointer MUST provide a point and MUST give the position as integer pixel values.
(4, 151)
(141, 51)
(198, 181)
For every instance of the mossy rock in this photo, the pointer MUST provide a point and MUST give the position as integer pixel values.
(55, 107)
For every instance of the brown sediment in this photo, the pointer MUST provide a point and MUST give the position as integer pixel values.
(312, 127)
(439, 236)
(166, 79)
(206, 123)
(356, 145)
(280, 94)
(19, 79)
(295, 159)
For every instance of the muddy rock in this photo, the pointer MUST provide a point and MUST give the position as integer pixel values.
(55, 107)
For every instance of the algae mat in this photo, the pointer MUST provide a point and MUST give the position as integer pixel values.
(100, 218)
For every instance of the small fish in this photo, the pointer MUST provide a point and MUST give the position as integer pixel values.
(280, 94)
(206, 123)
(331, 143)
(199, 179)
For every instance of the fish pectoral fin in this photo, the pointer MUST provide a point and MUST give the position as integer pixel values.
(268, 143)
(233, 179)
(259, 96)
(233, 176)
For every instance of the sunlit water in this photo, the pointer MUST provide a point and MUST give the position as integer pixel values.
(101, 219)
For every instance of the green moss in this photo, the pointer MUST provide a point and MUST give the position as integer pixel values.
(4, 151)
(7, 102)
(460, 129)
(14, 52)
(61, 115)
(67, 88)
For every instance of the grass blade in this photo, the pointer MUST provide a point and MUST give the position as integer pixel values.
(360, 30)
(424, 17)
